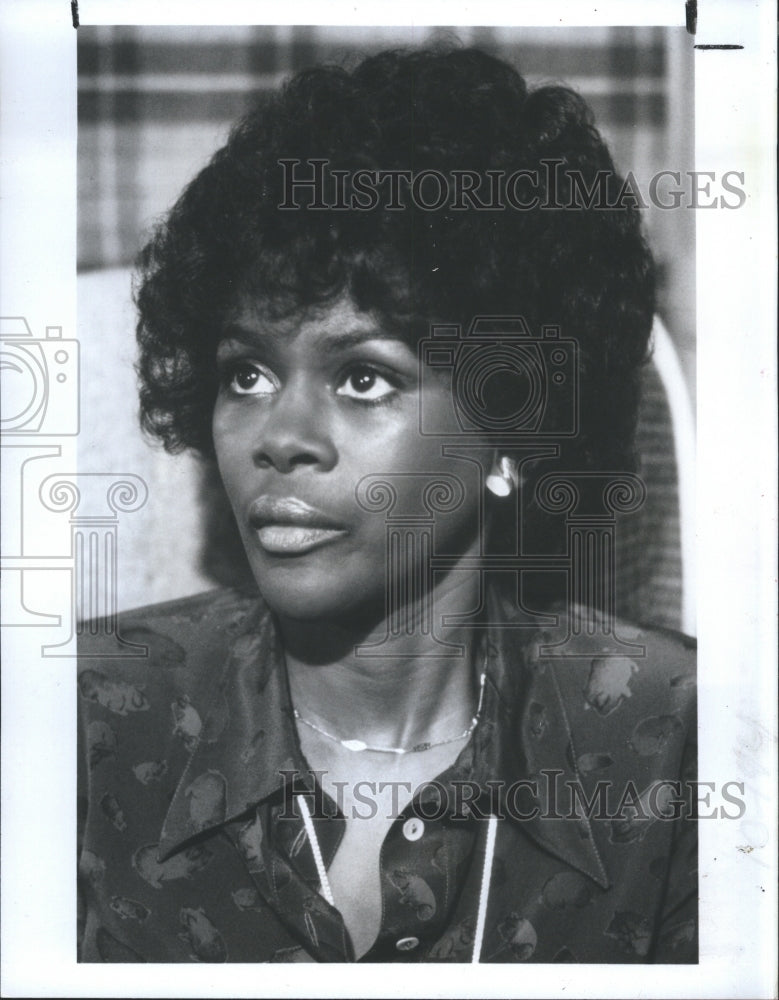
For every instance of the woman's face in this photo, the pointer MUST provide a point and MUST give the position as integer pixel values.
(306, 409)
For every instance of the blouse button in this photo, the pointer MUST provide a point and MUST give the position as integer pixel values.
(413, 828)
(407, 943)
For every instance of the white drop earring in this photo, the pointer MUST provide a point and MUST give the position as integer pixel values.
(503, 478)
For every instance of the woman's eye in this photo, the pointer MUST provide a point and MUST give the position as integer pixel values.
(367, 384)
(245, 378)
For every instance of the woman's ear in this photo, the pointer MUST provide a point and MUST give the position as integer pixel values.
(504, 476)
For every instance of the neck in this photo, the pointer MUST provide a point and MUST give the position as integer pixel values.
(399, 695)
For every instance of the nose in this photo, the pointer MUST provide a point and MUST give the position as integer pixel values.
(295, 433)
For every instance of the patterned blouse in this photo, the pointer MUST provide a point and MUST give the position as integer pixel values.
(193, 847)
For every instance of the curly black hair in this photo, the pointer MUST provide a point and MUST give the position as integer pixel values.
(586, 269)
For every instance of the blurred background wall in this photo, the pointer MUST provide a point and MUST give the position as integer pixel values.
(154, 104)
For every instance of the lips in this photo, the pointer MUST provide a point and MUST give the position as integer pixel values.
(289, 526)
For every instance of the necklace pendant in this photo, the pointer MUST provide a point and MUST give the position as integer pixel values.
(356, 746)
(359, 746)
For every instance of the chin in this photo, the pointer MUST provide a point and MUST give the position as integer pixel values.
(319, 597)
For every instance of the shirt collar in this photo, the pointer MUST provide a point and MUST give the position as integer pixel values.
(249, 739)
(241, 762)
(524, 744)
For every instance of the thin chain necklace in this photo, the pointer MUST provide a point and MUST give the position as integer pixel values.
(358, 746)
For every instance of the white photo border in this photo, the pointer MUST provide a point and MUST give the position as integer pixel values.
(735, 116)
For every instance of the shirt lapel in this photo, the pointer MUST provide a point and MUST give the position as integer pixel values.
(526, 747)
(248, 740)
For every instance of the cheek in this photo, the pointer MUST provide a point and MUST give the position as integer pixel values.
(430, 490)
(230, 449)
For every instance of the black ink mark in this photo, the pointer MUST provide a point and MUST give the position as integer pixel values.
(691, 16)
(74, 12)
(718, 46)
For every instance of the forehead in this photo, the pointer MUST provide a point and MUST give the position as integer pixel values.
(336, 325)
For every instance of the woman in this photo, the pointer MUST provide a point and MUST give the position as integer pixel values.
(389, 312)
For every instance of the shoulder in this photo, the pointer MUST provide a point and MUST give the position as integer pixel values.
(635, 681)
(169, 627)
(168, 639)
(149, 681)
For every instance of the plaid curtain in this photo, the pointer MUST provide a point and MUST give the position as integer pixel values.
(154, 103)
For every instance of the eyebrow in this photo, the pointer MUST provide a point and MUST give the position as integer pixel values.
(353, 338)
(327, 344)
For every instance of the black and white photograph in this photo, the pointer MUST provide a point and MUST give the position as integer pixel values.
(368, 495)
